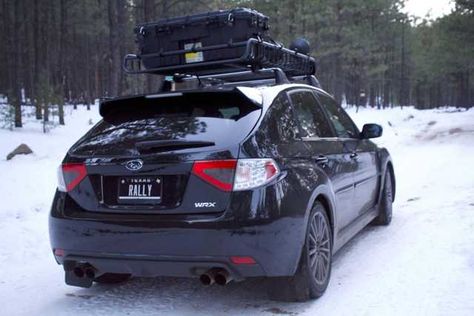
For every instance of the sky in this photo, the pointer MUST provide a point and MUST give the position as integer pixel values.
(436, 8)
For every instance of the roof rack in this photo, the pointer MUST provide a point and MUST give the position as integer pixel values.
(258, 54)
(267, 76)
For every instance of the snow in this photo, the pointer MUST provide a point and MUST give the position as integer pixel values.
(422, 263)
(252, 94)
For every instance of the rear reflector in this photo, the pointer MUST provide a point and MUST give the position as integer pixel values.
(219, 173)
(58, 252)
(242, 260)
(70, 175)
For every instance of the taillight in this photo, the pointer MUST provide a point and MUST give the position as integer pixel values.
(70, 175)
(219, 173)
(252, 173)
(236, 175)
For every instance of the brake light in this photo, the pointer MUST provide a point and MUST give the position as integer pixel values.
(219, 173)
(70, 175)
(236, 175)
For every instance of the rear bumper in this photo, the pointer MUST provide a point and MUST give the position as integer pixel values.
(153, 266)
(154, 246)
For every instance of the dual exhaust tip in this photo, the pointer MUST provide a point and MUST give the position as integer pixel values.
(216, 275)
(84, 271)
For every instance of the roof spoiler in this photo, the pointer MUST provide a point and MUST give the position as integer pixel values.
(238, 94)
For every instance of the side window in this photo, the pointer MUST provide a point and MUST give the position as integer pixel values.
(279, 123)
(341, 121)
(309, 114)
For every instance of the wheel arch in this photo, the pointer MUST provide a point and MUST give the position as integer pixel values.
(321, 194)
(321, 198)
(389, 168)
(386, 165)
(324, 195)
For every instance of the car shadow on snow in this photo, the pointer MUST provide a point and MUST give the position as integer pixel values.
(189, 296)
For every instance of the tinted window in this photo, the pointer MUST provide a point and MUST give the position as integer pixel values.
(342, 123)
(279, 124)
(221, 120)
(309, 114)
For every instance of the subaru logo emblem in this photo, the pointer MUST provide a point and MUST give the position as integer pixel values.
(134, 165)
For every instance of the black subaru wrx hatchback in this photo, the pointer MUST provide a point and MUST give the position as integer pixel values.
(219, 184)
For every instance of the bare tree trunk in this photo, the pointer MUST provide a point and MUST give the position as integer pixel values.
(61, 112)
(121, 50)
(16, 85)
(4, 80)
(337, 75)
(470, 102)
(75, 88)
(45, 112)
(62, 56)
(113, 49)
(386, 91)
(36, 39)
(26, 67)
(371, 95)
(402, 97)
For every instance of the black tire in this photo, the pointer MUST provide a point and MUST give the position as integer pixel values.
(385, 206)
(314, 269)
(112, 278)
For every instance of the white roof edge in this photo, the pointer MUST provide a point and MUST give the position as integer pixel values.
(269, 93)
(252, 93)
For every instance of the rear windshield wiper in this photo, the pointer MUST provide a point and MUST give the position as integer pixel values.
(170, 145)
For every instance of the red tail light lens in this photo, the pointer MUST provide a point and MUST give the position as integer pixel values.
(219, 173)
(59, 252)
(242, 260)
(70, 175)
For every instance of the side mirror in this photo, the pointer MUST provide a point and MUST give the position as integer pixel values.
(371, 131)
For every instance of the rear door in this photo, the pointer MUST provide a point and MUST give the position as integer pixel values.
(141, 157)
(361, 152)
(328, 151)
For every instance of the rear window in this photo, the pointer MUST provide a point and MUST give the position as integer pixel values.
(218, 118)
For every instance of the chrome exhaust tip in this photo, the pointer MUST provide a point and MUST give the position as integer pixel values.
(223, 277)
(206, 279)
(90, 272)
(79, 272)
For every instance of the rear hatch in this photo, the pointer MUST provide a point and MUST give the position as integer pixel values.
(149, 153)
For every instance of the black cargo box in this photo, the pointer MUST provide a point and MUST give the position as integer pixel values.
(158, 40)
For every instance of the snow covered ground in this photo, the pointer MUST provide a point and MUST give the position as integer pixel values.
(422, 264)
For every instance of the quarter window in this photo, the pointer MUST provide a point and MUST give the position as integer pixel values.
(279, 125)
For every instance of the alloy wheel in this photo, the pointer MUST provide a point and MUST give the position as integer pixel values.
(319, 248)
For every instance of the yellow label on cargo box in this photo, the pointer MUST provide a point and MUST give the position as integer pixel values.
(193, 57)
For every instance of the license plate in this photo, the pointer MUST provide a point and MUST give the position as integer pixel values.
(140, 190)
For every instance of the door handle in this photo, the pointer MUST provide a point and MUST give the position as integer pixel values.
(354, 155)
(321, 160)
